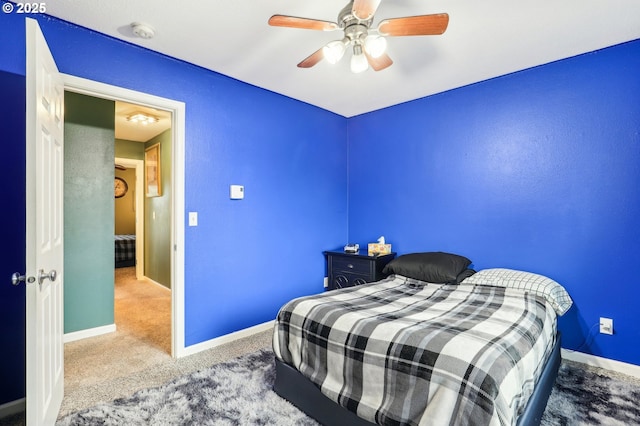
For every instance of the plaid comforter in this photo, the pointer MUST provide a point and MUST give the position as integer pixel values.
(403, 352)
(125, 248)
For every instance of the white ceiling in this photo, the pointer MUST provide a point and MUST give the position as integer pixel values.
(484, 39)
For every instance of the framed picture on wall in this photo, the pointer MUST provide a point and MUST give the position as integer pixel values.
(152, 182)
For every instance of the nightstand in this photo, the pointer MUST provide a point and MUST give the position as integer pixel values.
(348, 270)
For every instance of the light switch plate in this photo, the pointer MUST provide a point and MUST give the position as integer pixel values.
(193, 218)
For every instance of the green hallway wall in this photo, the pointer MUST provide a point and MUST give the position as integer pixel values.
(89, 212)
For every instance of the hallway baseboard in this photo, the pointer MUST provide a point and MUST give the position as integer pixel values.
(90, 332)
(150, 281)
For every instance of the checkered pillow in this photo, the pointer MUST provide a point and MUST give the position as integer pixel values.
(553, 292)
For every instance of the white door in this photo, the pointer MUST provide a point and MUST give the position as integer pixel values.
(44, 231)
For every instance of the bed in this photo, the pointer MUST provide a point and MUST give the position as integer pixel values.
(432, 343)
(125, 250)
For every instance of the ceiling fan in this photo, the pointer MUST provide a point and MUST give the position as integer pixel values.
(368, 44)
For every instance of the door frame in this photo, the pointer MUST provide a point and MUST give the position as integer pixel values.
(177, 110)
(139, 203)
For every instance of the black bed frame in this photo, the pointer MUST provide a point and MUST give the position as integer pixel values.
(302, 393)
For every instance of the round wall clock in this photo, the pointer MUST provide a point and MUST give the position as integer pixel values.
(121, 187)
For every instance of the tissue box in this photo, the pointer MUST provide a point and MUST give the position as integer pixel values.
(377, 248)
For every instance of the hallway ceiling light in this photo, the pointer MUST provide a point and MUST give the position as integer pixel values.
(142, 118)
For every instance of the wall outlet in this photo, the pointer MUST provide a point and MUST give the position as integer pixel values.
(606, 325)
(326, 282)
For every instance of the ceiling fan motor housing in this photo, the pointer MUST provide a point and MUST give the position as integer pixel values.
(356, 30)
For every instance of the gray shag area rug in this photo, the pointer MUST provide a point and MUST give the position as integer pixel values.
(239, 392)
(236, 392)
(591, 396)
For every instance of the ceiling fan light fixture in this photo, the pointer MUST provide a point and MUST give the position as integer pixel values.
(375, 45)
(355, 20)
(359, 61)
(333, 51)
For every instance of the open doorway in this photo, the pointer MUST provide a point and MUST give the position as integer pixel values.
(176, 208)
(129, 214)
(101, 216)
(100, 149)
(174, 233)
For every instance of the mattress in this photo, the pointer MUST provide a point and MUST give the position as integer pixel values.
(402, 351)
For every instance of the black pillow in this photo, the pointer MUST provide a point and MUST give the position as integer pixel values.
(434, 267)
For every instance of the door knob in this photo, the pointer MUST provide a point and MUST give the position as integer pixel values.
(16, 278)
(43, 276)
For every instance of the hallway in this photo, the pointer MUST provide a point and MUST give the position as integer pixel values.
(142, 340)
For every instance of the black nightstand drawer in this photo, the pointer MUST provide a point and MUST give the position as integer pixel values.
(348, 270)
(352, 265)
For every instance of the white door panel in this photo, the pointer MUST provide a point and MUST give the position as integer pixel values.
(44, 231)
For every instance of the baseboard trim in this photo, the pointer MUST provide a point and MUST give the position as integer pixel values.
(150, 281)
(13, 407)
(606, 363)
(209, 344)
(90, 332)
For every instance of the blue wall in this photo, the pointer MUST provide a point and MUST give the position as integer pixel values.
(246, 258)
(538, 170)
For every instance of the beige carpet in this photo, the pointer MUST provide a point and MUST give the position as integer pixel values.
(137, 355)
(142, 339)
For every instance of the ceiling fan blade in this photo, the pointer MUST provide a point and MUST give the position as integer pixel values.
(415, 25)
(381, 62)
(365, 9)
(120, 167)
(303, 23)
(312, 59)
